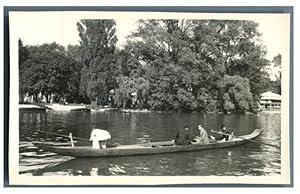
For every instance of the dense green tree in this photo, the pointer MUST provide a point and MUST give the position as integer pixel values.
(233, 47)
(237, 96)
(142, 91)
(206, 101)
(277, 60)
(128, 63)
(126, 86)
(129, 88)
(74, 75)
(48, 71)
(163, 47)
(97, 45)
(202, 65)
(253, 68)
(223, 41)
(276, 85)
(186, 59)
(74, 51)
(23, 56)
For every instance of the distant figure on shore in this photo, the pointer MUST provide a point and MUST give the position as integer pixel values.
(183, 136)
(99, 138)
(62, 101)
(203, 136)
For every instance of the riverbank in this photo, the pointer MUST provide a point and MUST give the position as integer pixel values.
(58, 107)
(75, 107)
(89, 108)
(53, 107)
(31, 107)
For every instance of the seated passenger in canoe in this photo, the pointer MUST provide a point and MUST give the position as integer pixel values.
(183, 136)
(203, 136)
(224, 134)
(99, 138)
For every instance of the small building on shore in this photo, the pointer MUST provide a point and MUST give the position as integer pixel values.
(270, 101)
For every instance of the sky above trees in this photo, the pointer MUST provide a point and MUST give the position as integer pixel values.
(61, 27)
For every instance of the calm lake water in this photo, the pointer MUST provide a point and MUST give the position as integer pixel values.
(250, 159)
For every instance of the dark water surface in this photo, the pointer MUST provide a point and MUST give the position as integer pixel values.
(249, 159)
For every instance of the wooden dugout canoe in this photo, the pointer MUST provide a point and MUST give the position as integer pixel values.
(142, 149)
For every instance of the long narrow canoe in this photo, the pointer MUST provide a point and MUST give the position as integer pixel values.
(142, 149)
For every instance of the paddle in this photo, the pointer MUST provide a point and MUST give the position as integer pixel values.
(83, 139)
(217, 132)
(109, 144)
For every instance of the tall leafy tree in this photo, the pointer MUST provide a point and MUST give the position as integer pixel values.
(74, 51)
(129, 87)
(186, 61)
(49, 71)
(128, 62)
(164, 48)
(277, 83)
(126, 86)
(97, 44)
(23, 56)
(237, 96)
(187, 65)
(142, 91)
(233, 47)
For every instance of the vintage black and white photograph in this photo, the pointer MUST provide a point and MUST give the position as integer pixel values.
(115, 98)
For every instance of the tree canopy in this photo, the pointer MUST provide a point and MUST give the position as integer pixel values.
(188, 65)
(97, 45)
(49, 71)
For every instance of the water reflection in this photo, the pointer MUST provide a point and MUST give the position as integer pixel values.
(249, 159)
(93, 171)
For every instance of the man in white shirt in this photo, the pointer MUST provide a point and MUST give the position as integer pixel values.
(203, 136)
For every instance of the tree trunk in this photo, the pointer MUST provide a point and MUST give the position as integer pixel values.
(21, 97)
(93, 103)
(124, 102)
(47, 98)
(35, 96)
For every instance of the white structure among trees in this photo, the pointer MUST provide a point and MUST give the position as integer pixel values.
(270, 101)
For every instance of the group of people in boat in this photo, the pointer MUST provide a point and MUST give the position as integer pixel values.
(185, 137)
(99, 137)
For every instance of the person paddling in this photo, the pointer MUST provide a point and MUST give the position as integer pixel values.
(225, 132)
(99, 138)
(225, 135)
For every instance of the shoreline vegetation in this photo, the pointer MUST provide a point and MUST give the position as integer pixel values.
(87, 107)
(165, 65)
